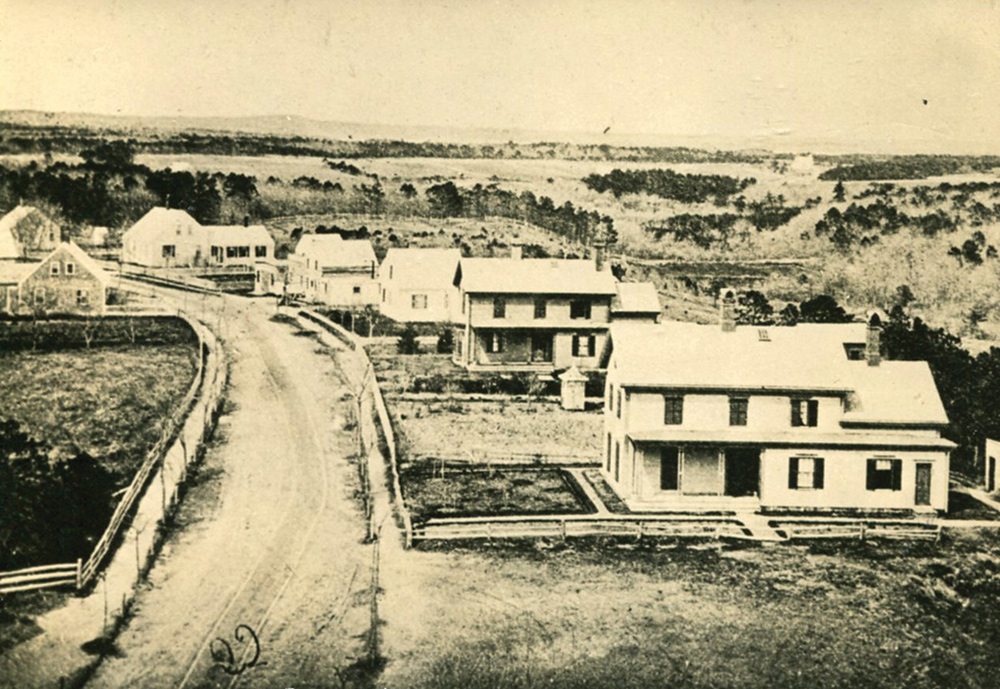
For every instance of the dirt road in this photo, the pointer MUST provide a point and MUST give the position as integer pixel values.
(270, 535)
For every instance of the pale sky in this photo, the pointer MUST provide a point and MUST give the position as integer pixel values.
(803, 70)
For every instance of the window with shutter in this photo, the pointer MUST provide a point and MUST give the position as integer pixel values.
(805, 412)
(499, 307)
(805, 472)
(540, 308)
(884, 474)
(591, 345)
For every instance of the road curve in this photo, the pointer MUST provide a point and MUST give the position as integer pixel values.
(270, 538)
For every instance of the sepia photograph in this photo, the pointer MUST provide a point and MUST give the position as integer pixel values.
(499, 344)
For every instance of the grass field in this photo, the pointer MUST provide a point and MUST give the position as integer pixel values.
(593, 614)
(475, 429)
(432, 491)
(108, 401)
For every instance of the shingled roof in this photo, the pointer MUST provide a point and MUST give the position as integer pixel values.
(420, 268)
(809, 357)
(533, 276)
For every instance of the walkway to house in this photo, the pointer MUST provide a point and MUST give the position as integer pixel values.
(588, 489)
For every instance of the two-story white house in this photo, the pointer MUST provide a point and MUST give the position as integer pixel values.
(800, 418)
(536, 313)
(329, 269)
(170, 238)
(417, 285)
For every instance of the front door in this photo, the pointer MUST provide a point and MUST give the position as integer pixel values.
(742, 471)
(923, 492)
(541, 347)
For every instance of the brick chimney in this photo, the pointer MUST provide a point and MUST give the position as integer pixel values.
(727, 309)
(515, 252)
(600, 255)
(873, 339)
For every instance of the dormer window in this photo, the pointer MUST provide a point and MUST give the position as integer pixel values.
(805, 412)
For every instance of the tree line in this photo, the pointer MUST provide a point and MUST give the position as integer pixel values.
(905, 167)
(19, 138)
(686, 188)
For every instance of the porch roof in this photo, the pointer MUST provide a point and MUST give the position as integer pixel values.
(804, 439)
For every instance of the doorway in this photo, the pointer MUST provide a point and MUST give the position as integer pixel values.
(923, 482)
(541, 348)
(742, 471)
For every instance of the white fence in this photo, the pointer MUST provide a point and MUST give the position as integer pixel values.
(574, 528)
(44, 577)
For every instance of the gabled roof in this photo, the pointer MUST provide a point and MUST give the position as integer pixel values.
(533, 276)
(333, 251)
(224, 235)
(13, 272)
(421, 268)
(23, 224)
(84, 261)
(160, 220)
(636, 297)
(8, 244)
(809, 357)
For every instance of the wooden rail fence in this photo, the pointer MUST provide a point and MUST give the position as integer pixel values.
(44, 577)
(575, 528)
(916, 531)
(83, 572)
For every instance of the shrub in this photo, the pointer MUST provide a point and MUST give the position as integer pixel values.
(446, 341)
(407, 342)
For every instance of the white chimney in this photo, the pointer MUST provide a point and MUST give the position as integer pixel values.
(727, 309)
(873, 339)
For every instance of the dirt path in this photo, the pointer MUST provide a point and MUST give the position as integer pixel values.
(271, 537)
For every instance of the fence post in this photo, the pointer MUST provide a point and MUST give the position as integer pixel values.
(639, 528)
(862, 532)
(562, 528)
(79, 574)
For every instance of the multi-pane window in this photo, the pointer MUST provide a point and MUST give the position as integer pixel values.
(579, 308)
(669, 468)
(242, 251)
(738, 411)
(805, 412)
(418, 301)
(230, 252)
(584, 345)
(541, 307)
(499, 307)
(673, 410)
(260, 251)
(805, 472)
(70, 268)
(169, 251)
(82, 298)
(54, 268)
(356, 289)
(884, 474)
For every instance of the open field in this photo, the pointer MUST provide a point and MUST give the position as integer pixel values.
(474, 429)
(589, 614)
(109, 402)
(432, 490)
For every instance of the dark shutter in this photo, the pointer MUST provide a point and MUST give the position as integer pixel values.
(818, 472)
(576, 345)
(812, 412)
(591, 345)
(897, 474)
(793, 472)
(796, 413)
(870, 479)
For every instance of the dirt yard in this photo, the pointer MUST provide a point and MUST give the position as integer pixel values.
(439, 491)
(620, 615)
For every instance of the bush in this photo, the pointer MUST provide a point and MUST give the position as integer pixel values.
(446, 341)
(407, 342)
